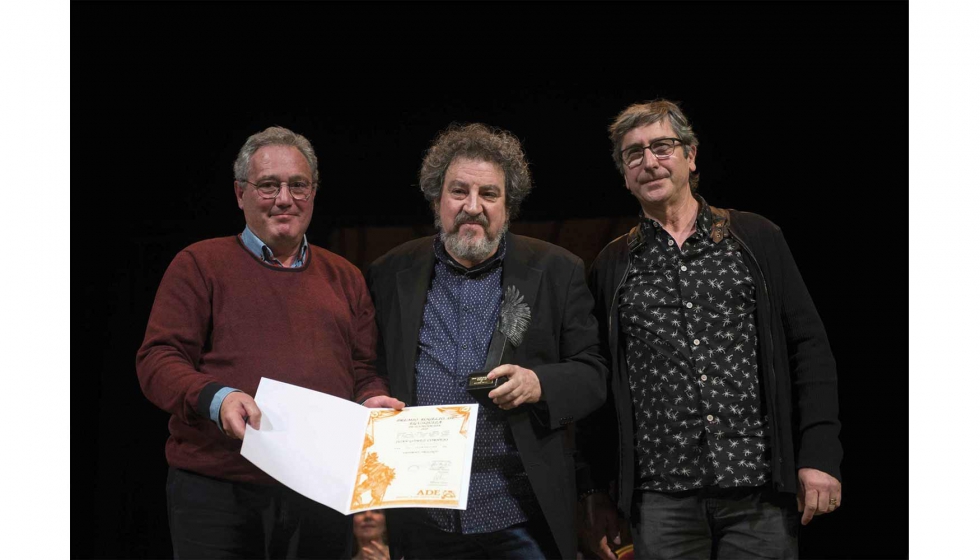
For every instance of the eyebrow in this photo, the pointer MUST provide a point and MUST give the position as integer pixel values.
(637, 144)
(289, 180)
(458, 183)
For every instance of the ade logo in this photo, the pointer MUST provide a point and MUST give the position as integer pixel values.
(443, 494)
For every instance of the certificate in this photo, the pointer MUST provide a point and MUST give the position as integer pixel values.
(351, 458)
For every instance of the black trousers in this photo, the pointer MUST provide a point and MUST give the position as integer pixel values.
(715, 523)
(213, 518)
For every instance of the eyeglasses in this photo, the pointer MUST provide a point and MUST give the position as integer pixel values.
(661, 149)
(301, 190)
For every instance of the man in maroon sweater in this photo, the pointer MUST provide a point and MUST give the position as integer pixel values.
(230, 311)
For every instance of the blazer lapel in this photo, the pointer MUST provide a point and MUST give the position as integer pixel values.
(413, 286)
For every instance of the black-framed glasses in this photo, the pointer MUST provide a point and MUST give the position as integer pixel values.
(300, 190)
(662, 148)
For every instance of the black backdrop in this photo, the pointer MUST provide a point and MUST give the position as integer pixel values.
(801, 111)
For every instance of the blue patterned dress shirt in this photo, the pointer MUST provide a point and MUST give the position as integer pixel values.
(458, 321)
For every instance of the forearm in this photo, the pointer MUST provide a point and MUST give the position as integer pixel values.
(571, 390)
(365, 348)
(172, 384)
(813, 371)
(368, 384)
(178, 327)
(576, 385)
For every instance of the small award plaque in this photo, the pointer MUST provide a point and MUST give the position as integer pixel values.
(479, 386)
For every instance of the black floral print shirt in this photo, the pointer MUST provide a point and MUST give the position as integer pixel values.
(688, 319)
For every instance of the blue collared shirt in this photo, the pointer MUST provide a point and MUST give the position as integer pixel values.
(262, 251)
(458, 321)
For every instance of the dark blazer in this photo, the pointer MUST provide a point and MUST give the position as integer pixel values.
(561, 347)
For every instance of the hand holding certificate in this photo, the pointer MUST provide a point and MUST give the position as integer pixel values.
(351, 458)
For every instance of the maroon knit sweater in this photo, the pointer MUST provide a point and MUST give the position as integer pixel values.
(224, 318)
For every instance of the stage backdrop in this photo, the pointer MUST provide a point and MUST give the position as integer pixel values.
(801, 109)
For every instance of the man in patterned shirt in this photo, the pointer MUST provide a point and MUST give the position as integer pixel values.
(723, 384)
(438, 300)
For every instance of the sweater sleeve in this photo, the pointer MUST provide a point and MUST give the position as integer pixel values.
(178, 329)
(364, 340)
(813, 370)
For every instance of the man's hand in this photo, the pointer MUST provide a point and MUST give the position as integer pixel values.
(599, 525)
(236, 409)
(382, 401)
(522, 386)
(818, 493)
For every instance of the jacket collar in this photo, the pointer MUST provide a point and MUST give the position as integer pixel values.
(719, 225)
(520, 271)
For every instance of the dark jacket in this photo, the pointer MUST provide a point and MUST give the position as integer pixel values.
(561, 346)
(797, 370)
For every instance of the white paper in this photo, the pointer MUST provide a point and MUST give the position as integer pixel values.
(309, 441)
(329, 449)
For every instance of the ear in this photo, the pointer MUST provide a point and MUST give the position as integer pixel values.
(239, 193)
(690, 159)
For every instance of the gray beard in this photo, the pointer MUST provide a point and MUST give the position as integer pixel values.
(465, 248)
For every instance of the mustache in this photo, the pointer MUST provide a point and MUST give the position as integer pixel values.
(463, 218)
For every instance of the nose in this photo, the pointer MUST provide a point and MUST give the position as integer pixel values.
(649, 160)
(285, 197)
(472, 205)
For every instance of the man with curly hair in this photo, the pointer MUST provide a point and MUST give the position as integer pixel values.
(441, 302)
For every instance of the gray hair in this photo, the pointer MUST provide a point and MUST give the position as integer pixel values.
(647, 113)
(482, 143)
(274, 136)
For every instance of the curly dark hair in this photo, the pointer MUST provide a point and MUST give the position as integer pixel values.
(482, 143)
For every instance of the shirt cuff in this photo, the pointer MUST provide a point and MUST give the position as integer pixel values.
(215, 409)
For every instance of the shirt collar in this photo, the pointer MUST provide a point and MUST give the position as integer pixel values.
(702, 226)
(263, 252)
(445, 258)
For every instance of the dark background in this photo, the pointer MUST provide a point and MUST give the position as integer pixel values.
(801, 110)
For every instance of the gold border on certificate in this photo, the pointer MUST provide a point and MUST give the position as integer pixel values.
(382, 462)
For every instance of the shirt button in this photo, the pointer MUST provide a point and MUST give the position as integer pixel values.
(670, 242)
(697, 342)
(710, 418)
(465, 346)
(690, 305)
(683, 268)
(704, 378)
